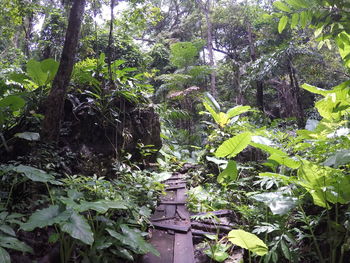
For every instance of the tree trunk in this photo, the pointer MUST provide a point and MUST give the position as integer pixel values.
(55, 101)
(299, 111)
(206, 9)
(27, 24)
(110, 41)
(259, 84)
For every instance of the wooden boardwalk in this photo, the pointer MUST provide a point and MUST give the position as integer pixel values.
(171, 234)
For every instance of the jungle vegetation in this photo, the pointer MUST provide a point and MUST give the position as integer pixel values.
(100, 101)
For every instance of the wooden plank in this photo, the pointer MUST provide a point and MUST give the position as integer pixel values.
(182, 212)
(183, 248)
(181, 195)
(175, 187)
(196, 232)
(210, 227)
(176, 178)
(164, 243)
(176, 228)
(160, 208)
(217, 213)
(170, 210)
(161, 218)
(175, 182)
(169, 203)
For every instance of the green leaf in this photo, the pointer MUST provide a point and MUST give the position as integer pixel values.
(124, 253)
(101, 206)
(248, 241)
(33, 174)
(133, 239)
(340, 158)
(7, 230)
(298, 3)
(281, 6)
(49, 67)
(303, 19)
(12, 102)
(234, 146)
(4, 256)
(229, 174)
(212, 112)
(285, 179)
(215, 160)
(285, 160)
(282, 24)
(77, 227)
(279, 203)
(295, 20)
(35, 72)
(161, 177)
(29, 136)
(326, 185)
(285, 250)
(314, 89)
(237, 111)
(268, 148)
(318, 31)
(218, 252)
(42, 73)
(14, 243)
(45, 217)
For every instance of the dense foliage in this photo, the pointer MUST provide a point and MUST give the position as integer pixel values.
(254, 94)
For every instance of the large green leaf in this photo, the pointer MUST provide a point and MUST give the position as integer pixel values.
(229, 174)
(161, 177)
(35, 72)
(101, 206)
(267, 148)
(50, 67)
(15, 244)
(237, 111)
(133, 239)
(282, 24)
(281, 6)
(7, 230)
(212, 112)
(285, 179)
(314, 89)
(339, 158)
(13, 102)
(295, 20)
(248, 241)
(326, 185)
(278, 202)
(33, 174)
(45, 217)
(298, 3)
(234, 146)
(4, 256)
(285, 160)
(42, 72)
(77, 227)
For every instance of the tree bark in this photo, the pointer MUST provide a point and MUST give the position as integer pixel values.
(206, 9)
(55, 101)
(110, 41)
(259, 84)
(294, 83)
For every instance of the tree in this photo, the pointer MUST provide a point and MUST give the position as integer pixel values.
(55, 101)
(206, 8)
